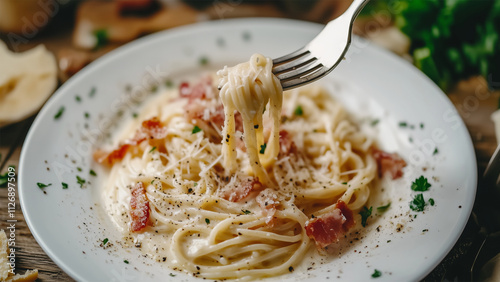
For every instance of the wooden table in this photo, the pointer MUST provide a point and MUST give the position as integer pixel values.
(474, 102)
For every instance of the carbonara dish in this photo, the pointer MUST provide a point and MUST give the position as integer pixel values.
(227, 177)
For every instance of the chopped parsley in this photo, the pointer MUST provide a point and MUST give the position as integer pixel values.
(246, 211)
(79, 169)
(374, 122)
(92, 172)
(376, 273)
(195, 184)
(431, 201)
(204, 61)
(87, 115)
(41, 185)
(80, 181)
(196, 129)
(403, 124)
(435, 151)
(169, 83)
(92, 92)
(78, 98)
(172, 275)
(263, 148)
(101, 36)
(154, 148)
(59, 113)
(207, 220)
(135, 115)
(298, 111)
(64, 185)
(420, 184)
(383, 208)
(344, 183)
(365, 213)
(105, 241)
(125, 261)
(418, 203)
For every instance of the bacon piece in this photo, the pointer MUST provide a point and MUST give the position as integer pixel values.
(139, 208)
(239, 189)
(198, 91)
(328, 228)
(151, 129)
(387, 162)
(268, 201)
(287, 146)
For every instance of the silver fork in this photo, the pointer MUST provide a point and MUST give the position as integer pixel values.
(322, 54)
(492, 172)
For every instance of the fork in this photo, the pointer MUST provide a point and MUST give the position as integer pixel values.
(492, 172)
(322, 54)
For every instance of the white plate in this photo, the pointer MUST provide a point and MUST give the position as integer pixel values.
(67, 223)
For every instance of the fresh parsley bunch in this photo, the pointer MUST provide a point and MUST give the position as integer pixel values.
(453, 39)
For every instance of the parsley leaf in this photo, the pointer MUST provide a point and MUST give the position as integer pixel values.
(374, 122)
(431, 201)
(420, 184)
(246, 211)
(204, 61)
(154, 148)
(105, 241)
(80, 181)
(41, 185)
(207, 221)
(418, 203)
(298, 111)
(64, 185)
(263, 148)
(196, 129)
(59, 113)
(365, 213)
(125, 261)
(376, 273)
(383, 208)
(101, 36)
(92, 172)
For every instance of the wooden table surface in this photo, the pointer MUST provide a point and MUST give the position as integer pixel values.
(472, 98)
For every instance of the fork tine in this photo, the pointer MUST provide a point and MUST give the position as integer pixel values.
(292, 56)
(295, 65)
(309, 76)
(299, 70)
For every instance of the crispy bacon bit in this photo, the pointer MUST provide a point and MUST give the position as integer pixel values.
(139, 208)
(239, 189)
(268, 201)
(198, 91)
(328, 228)
(287, 145)
(387, 162)
(151, 129)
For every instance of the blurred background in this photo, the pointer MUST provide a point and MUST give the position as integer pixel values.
(454, 42)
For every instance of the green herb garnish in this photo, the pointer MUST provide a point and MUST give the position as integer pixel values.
(207, 221)
(80, 181)
(105, 241)
(92, 172)
(87, 115)
(125, 261)
(431, 201)
(78, 98)
(263, 148)
(154, 148)
(420, 184)
(64, 185)
(169, 83)
(298, 111)
(172, 275)
(383, 208)
(204, 61)
(79, 169)
(418, 203)
(403, 124)
(374, 122)
(246, 211)
(196, 129)
(102, 38)
(435, 151)
(92, 91)
(59, 113)
(41, 185)
(365, 213)
(376, 273)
